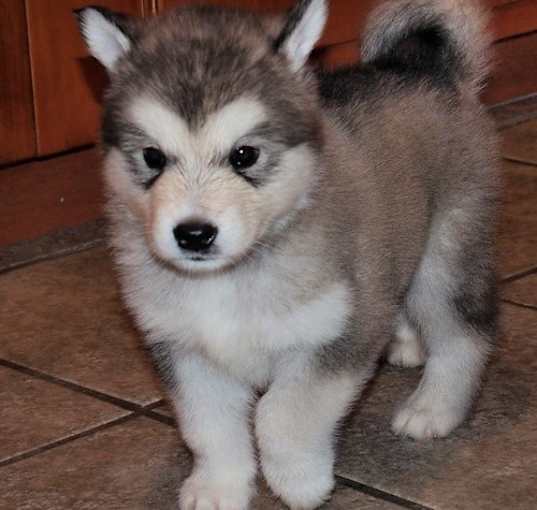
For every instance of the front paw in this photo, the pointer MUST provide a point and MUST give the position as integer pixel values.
(202, 492)
(302, 486)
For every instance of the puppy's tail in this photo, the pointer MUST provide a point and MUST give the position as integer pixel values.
(446, 40)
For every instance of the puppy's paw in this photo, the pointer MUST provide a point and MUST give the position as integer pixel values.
(301, 487)
(427, 415)
(201, 493)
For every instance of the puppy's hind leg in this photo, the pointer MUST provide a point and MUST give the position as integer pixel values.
(406, 350)
(452, 298)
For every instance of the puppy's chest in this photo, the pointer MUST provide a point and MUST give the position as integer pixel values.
(245, 326)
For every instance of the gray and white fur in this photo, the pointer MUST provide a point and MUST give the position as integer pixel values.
(278, 230)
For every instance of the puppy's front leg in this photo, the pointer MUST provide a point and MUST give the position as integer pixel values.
(295, 425)
(213, 413)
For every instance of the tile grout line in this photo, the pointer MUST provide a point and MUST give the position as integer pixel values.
(518, 275)
(135, 411)
(520, 305)
(504, 125)
(162, 418)
(104, 397)
(522, 161)
(145, 412)
(65, 440)
(532, 96)
(380, 494)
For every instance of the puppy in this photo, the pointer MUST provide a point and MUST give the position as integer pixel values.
(274, 227)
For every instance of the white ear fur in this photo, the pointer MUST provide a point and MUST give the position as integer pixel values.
(106, 42)
(306, 33)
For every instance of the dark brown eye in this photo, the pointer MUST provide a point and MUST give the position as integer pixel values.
(243, 157)
(154, 158)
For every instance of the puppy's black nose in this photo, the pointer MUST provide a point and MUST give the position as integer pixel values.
(195, 236)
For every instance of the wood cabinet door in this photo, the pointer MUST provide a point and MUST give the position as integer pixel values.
(68, 84)
(17, 133)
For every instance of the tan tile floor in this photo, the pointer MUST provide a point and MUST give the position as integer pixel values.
(84, 425)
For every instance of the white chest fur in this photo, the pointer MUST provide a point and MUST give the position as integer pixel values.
(240, 322)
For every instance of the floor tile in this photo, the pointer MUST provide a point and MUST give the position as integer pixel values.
(488, 463)
(522, 291)
(36, 413)
(517, 240)
(137, 465)
(520, 141)
(64, 317)
(123, 467)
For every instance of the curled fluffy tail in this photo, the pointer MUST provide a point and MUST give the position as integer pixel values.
(446, 39)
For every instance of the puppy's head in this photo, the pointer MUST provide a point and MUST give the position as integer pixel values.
(211, 125)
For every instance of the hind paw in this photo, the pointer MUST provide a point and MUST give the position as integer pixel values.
(406, 350)
(426, 417)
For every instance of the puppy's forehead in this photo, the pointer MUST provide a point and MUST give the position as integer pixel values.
(216, 131)
(234, 120)
(199, 59)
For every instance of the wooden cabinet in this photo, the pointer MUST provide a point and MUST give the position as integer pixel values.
(67, 83)
(17, 133)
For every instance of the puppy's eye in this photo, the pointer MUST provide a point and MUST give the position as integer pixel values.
(154, 158)
(243, 157)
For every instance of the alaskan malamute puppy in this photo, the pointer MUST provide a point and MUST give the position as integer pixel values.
(278, 230)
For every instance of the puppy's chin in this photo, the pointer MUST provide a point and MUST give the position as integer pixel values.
(202, 266)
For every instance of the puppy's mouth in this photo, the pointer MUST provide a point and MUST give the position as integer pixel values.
(199, 258)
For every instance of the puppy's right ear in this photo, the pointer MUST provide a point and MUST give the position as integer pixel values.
(108, 35)
(303, 28)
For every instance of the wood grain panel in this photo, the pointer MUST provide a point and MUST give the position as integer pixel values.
(150, 7)
(17, 132)
(68, 84)
(43, 196)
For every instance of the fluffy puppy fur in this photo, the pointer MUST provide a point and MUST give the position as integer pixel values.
(275, 228)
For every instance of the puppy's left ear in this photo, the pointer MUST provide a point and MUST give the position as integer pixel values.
(109, 35)
(303, 28)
